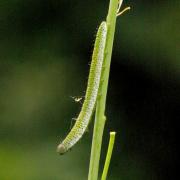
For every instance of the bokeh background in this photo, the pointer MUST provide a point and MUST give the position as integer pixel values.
(45, 51)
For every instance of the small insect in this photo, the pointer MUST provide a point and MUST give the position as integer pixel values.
(77, 99)
(88, 106)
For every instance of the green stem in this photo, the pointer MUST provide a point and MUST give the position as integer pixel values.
(101, 102)
(108, 156)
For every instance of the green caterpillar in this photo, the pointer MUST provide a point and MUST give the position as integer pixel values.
(91, 93)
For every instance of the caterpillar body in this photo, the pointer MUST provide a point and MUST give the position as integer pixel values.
(91, 93)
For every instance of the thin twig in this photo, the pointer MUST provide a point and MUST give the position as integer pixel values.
(108, 155)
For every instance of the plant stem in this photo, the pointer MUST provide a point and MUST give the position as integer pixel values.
(108, 156)
(101, 102)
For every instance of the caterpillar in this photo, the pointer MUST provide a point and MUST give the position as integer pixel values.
(93, 84)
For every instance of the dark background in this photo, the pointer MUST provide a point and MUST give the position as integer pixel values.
(45, 49)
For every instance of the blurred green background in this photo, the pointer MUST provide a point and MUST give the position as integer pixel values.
(45, 49)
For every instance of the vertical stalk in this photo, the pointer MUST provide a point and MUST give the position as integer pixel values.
(108, 155)
(101, 102)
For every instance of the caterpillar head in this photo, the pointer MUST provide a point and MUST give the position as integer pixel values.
(61, 149)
